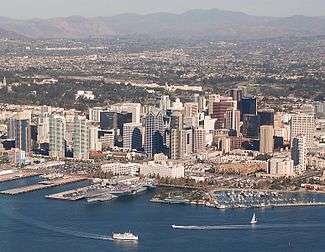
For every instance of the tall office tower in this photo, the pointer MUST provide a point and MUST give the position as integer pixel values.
(107, 120)
(251, 124)
(176, 120)
(298, 153)
(81, 137)
(94, 114)
(69, 124)
(154, 132)
(43, 128)
(191, 109)
(23, 132)
(181, 144)
(57, 136)
(303, 124)
(114, 120)
(164, 102)
(236, 95)
(93, 143)
(201, 101)
(277, 121)
(132, 136)
(219, 110)
(133, 108)
(11, 127)
(174, 144)
(121, 119)
(248, 105)
(199, 141)
(191, 112)
(232, 121)
(186, 143)
(266, 139)
(266, 116)
(212, 99)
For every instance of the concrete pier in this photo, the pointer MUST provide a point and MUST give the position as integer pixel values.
(42, 185)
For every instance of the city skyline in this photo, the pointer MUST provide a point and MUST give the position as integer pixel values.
(50, 9)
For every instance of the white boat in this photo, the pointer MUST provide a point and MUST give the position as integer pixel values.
(254, 219)
(128, 236)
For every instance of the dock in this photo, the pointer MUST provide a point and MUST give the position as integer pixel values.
(17, 175)
(43, 185)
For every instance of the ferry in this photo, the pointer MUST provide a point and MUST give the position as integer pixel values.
(128, 236)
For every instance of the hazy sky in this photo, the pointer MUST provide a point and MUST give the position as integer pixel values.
(55, 8)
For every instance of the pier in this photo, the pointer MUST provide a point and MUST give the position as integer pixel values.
(43, 185)
(15, 175)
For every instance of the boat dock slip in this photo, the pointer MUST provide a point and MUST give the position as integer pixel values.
(43, 185)
(17, 175)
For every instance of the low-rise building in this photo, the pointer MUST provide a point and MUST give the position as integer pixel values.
(281, 166)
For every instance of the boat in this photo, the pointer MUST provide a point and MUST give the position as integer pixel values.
(254, 220)
(128, 236)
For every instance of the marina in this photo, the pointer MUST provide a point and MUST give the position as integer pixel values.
(238, 199)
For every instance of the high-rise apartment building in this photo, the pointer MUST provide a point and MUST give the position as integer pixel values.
(81, 137)
(303, 124)
(57, 136)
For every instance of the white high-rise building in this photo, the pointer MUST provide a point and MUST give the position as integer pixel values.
(81, 138)
(57, 130)
(164, 102)
(69, 121)
(94, 114)
(266, 139)
(232, 120)
(94, 143)
(43, 128)
(298, 153)
(303, 124)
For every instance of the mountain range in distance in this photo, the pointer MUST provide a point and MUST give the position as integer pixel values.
(213, 23)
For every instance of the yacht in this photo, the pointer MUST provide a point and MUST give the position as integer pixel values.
(254, 219)
(128, 236)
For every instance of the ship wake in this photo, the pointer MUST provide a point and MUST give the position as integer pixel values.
(249, 227)
(61, 230)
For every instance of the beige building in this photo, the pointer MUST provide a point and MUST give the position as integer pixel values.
(266, 139)
(281, 166)
(303, 124)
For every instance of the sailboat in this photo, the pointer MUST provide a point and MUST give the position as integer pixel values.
(254, 220)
